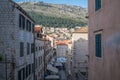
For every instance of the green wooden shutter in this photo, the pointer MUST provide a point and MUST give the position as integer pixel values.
(21, 49)
(98, 45)
(97, 4)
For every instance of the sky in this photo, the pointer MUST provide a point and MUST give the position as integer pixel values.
(82, 3)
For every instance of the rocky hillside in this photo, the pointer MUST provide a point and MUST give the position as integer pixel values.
(56, 15)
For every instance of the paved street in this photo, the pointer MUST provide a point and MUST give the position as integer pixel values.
(63, 75)
(80, 77)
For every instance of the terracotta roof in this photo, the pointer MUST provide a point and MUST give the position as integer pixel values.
(38, 28)
(63, 42)
(81, 30)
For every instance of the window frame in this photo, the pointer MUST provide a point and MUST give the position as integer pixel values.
(32, 48)
(22, 22)
(98, 45)
(19, 75)
(32, 28)
(27, 71)
(98, 6)
(21, 49)
(28, 48)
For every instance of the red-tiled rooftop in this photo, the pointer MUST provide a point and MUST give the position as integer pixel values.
(81, 30)
(63, 42)
(38, 28)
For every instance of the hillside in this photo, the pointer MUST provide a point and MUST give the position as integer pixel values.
(56, 15)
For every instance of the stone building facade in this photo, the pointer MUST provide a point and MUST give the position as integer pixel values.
(16, 42)
(39, 53)
(48, 52)
(39, 59)
(80, 50)
(104, 40)
(62, 50)
(43, 52)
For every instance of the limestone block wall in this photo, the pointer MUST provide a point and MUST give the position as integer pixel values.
(80, 51)
(7, 37)
(106, 22)
(10, 38)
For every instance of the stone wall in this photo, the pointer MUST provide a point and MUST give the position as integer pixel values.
(7, 28)
(105, 21)
(10, 37)
(39, 59)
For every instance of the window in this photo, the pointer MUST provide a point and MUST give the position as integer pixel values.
(32, 28)
(27, 74)
(40, 35)
(32, 48)
(39, 48)
(28, 25)
(37, 34)
(23, 73)
(21, 21)
(33, 67)
(29, 69)
(35, 63)
(97, 4)
(19, 75)
(21, 49)
(28, 48)
(98, 45)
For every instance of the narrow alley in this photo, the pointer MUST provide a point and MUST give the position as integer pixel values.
(59, 39)
(62, 74)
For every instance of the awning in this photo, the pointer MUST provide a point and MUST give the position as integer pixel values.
(51, 68)
(61, 59)
(52, 77)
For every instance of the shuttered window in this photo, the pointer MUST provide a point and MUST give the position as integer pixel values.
(32, 48)
(97, 4)
(21, 49)
(32, 28)
(21, 21)
(27, 71)
(28, 25)
(19, 75)
(98, 45)
(28, 48)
